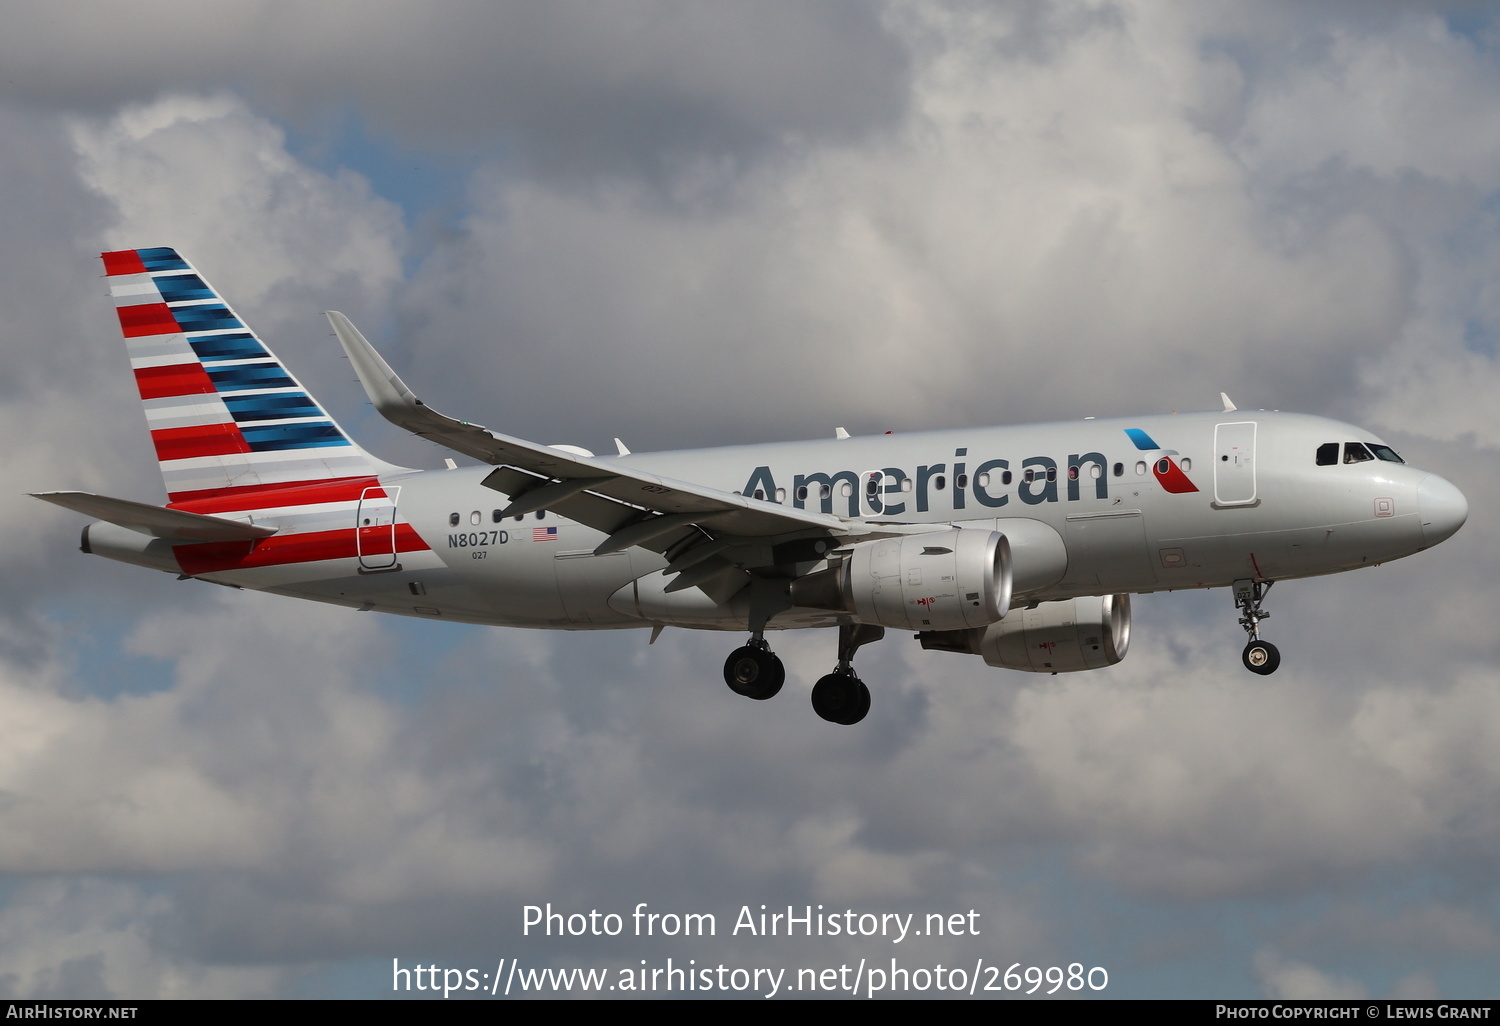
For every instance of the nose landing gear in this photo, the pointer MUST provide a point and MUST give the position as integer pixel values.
(1259, 656)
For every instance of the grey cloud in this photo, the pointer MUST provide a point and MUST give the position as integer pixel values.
(571, 87)
(93, 938)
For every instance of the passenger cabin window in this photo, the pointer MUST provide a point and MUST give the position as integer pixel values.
(1119, 470)
(452, 519)
(1355, 452)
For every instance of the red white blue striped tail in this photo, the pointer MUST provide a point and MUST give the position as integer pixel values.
(225, 415)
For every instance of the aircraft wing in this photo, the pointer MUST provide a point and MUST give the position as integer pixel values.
(172, 524)
(631, 506)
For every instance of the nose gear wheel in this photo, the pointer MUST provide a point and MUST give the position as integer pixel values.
(1261, 657)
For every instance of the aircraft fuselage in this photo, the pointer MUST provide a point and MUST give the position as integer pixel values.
(1088, 510)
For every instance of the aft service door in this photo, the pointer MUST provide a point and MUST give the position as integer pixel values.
(1234, 464)
(375, 529)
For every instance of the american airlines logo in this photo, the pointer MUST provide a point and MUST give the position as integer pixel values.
(1036, 480)
(1166, 471)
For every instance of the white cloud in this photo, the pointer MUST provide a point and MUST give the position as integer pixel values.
(256, 755)
(1298, 981)
(214, 180)
(1036, 238)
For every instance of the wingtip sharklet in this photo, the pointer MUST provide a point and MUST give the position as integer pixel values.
(386, 390)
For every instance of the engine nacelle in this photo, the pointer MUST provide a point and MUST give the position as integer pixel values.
(1060, 637)
(949, 580)
(1055, 637)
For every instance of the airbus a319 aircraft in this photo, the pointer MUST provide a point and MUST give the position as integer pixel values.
(1020, 545)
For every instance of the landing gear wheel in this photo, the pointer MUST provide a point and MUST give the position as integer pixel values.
(841, 698)
(754, 672)
(1261, 657)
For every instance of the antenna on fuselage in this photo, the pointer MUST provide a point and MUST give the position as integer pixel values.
(1229, 407)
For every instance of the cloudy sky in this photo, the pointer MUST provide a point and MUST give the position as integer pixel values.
(700, 223)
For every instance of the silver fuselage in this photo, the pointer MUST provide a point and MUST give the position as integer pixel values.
(1096, 517)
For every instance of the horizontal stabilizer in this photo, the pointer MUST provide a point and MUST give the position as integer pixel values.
(171, 524)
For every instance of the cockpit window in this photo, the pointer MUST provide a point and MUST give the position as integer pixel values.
(1328, 454)
(1385, 452)
(1355, 452)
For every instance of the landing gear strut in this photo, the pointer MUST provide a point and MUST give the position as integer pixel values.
(754, 670)
(841, 697)
(1259, 656)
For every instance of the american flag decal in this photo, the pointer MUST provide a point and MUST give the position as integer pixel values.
(544, 534)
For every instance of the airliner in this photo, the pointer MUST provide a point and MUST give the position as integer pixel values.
(1020, 545)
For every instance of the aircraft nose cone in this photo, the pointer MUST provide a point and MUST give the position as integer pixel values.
(1443, 508)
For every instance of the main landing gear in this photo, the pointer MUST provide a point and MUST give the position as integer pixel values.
(1259, 656)
(841, 697)
(754, 671)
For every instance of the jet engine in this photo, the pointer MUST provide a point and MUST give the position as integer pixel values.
(1053, 637)
(944, 581)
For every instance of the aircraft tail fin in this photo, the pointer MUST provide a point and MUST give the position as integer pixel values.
(225, 414)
